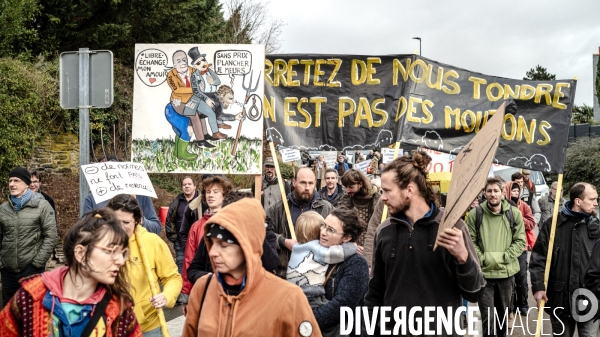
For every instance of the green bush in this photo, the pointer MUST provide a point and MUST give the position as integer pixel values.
(29, 106)
(582, 163)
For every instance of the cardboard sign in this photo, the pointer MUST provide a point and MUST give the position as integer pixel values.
(289, 155)
(387, 154)
(471, 168)
(362, 166)
(109, 179)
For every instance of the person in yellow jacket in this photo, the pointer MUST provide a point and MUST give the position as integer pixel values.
(164, 269)
(242, 298)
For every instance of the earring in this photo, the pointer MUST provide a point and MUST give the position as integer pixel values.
(84, 267)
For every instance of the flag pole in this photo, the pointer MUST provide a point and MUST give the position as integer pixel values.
(286, 207)
(550, 249)
(385, 208)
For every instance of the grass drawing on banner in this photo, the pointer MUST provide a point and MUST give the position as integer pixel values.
(158, 156)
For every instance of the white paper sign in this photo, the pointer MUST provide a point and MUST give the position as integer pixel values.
(109, 179)
(362, 166)
(330, 158)
(289, 155)
(387, 154)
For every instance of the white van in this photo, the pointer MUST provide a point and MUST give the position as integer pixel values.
(541, 188)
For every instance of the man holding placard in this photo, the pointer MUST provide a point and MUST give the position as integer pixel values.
(577, 231)
(303, 199)
(404, 263)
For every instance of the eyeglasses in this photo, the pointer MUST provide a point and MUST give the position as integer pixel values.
(115, 252)
(329, 230)
(35, 182)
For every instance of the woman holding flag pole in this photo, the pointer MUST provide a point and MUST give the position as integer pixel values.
(150, 262)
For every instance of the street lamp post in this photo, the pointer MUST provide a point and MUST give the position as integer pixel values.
(418, 38)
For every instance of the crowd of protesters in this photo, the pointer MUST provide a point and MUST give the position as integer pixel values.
(241, 268)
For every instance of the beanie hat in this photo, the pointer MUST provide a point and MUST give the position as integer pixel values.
(21, 173)
(216, 231)
(515, 185)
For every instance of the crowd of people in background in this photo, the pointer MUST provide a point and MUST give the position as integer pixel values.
(243, 266)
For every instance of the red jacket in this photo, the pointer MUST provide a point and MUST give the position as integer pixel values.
(194, 236)
(528, 219)
(25, 314)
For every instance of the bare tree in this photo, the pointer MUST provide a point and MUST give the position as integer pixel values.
(253, 21)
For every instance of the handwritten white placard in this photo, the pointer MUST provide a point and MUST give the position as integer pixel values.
(387, 154)
(330, 157)
(362, 166)
(289, 155)
(112, 178)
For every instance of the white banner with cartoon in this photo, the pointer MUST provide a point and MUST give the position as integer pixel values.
(198, 108)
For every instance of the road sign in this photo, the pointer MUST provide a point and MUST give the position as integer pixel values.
(100, 79)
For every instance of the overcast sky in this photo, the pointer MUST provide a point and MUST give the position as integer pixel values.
(502, 38)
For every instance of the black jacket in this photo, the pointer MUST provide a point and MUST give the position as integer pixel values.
(346, 287)
(341, 191)
(592, 273)
(574, 240)
(201, 265)
(193, 212)
(280, 224)
(172, 225)
(407, 272)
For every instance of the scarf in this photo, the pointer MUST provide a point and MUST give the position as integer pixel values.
(18, 203)
(332, 197)
(266, 183)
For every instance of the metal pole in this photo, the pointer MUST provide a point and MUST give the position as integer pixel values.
(84, 121)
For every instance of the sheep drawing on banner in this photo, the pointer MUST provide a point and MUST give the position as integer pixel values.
(432, 140)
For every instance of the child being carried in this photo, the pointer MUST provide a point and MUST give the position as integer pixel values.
(309, 260)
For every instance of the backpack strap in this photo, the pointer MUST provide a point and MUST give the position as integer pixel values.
(204, 294)
(478, 221)
(98, 312)
(510, 216)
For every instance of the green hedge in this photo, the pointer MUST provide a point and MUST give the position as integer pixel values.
(29, 106)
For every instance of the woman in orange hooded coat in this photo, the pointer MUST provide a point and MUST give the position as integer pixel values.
(242, 298)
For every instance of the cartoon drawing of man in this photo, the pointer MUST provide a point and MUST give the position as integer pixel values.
(204, 80)
(178, 80)
(223, 98)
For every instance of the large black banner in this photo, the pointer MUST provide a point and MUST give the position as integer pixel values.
(349, 102)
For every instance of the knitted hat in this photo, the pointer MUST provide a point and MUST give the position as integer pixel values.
(216, 231)
(21, 173)
(514, 185)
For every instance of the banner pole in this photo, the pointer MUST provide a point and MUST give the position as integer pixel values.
(550, 249)
(286, 207)
(258, 186)
(385, 209)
